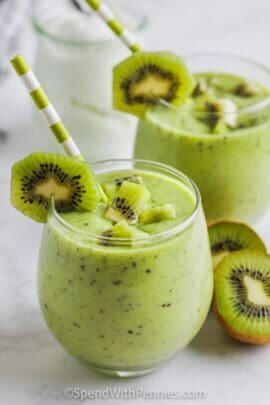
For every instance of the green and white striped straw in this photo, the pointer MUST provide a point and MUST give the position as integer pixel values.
(106, 14)
(45, 107)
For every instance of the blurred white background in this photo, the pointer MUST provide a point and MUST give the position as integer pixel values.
(238, 26)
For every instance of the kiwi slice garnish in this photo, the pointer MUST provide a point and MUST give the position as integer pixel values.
(144, 78)
(129, 200)
(39, 176)
(229, 236)
(111, 187)
(157, 214)
(242, 295)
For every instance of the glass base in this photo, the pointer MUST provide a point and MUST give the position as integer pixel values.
(122, 373)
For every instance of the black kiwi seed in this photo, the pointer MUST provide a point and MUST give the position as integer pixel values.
(226, 245)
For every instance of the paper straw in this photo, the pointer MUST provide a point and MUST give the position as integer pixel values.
(106, 14)
(45, 107)
(47, 110)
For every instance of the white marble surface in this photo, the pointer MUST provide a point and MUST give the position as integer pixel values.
(34, 370)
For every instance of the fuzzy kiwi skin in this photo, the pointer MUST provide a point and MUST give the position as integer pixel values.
(218, 258)
(242, 337)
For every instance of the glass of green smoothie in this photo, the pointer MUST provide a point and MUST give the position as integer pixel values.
(220, 136)
(124, 305)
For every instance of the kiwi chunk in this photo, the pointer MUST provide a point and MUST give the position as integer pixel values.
(132, 179)
(200, 88)
(218, 113)
(129, 200)
(229, 111)
(121, 230)
(230, 236)
(157, 214)
(144, 78)
(220, 127)
(242, 296)
(111, 187)
(39, 176)
(246, 89)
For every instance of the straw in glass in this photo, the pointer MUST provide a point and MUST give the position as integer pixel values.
(47, 110)
(45, 107)
(106, 14)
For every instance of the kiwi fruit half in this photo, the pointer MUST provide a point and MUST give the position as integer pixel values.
(157, 214)
(39, 176)
(129, 200)
(230, 236)
(242, 295)
(144, 78)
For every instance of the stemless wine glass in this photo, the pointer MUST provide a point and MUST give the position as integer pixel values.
(231, 169)
(124, 309)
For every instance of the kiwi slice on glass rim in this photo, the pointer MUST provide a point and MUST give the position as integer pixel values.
(39, 176)
(242, 296)
(230, 236)
(144, 78)
(129, 200)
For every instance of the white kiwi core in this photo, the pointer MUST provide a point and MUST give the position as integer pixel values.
(52, 187)
(256, 292)
(151, 84)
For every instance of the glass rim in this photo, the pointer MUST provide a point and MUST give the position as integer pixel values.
(257, 106)
(141, 23)
(144, 240)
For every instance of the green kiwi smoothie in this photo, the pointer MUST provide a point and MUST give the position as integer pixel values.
(221, 139)
(128, 307)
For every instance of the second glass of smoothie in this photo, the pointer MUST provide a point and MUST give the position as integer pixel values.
(231, 165)
(123, 307)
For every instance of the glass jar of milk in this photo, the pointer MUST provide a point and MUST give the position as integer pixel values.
(75, 56)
